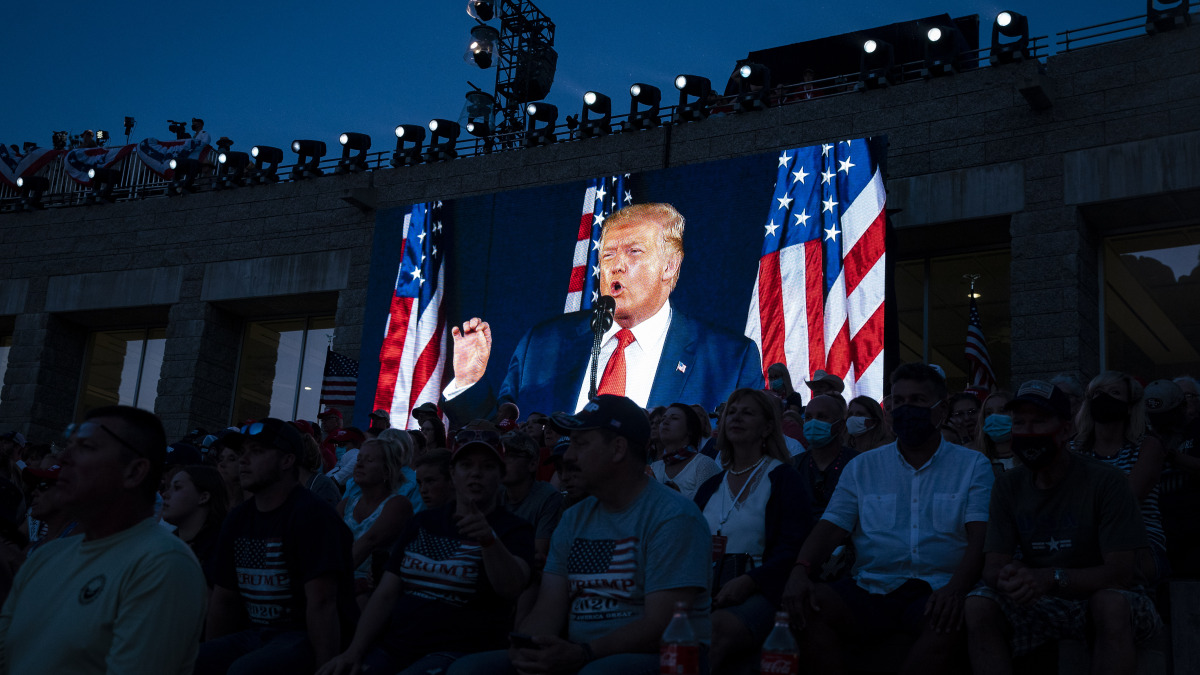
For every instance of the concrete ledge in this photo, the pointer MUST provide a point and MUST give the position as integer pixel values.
(12, 296)
(283, 275)
(1134, 169)
(103, 290)
(963, 194)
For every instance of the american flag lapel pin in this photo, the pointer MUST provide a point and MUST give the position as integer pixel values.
(680, 367)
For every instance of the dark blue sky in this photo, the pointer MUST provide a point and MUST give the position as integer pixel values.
(266, 72)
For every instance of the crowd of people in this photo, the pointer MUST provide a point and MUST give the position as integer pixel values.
(979, 526)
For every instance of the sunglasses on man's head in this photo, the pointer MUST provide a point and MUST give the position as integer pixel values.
(253, 429)
(89, 428)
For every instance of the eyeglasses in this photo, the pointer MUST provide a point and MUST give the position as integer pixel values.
(86, 430)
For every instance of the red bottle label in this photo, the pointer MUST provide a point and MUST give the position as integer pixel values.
(779, 664)
(676, 659)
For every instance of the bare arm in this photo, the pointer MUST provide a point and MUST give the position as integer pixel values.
(387, 527)
(321, 617)
(1148, 469)
(224, 612)
(374, 617)
(642, 635)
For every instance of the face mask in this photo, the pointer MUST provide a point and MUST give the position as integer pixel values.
(1106, 408)
(998, 427)
(857, 424)
(1035, 451)
(818, 433)
(913, 424)
(339, 451)
(777, 385)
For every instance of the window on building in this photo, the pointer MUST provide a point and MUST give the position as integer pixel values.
(1152, 303)
(933, 310)
(281, 368)
(122, 367)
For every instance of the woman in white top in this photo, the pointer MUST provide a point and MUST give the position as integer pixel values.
(759, 511)
(681, 466)
(377, 514)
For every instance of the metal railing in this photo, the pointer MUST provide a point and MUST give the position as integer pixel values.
(1107, 32)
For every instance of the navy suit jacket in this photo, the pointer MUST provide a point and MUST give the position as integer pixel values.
(550, 363)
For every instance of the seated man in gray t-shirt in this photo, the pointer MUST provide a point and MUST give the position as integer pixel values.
(619, 560)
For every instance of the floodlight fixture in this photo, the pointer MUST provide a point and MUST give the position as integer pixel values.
(1014, 26)
(443, 135)
(1163, 16)
(943, 45)
(641, 94)
(266, 164)
(754, 86)
(692, 86)
(485, 41)
(309, 154)
(32, 188)
(183, 175)
(413, 136)
(877, 67)
(360, 144)
(231, 169)
(545, 113)
(599, 105)
(484, 10)
(102, 137)
(102, 181)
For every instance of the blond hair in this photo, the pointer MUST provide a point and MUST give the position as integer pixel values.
(670, 224)
(773, 445)
(1135, 420)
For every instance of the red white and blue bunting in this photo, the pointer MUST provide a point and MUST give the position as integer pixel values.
(78, 161)
(157, 155)
(14, 166)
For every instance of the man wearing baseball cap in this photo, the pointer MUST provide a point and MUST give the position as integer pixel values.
(619, 560)
(1076, 525)
(283, 568)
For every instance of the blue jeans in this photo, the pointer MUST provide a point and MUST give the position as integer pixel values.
(257, 650)
(497, 663)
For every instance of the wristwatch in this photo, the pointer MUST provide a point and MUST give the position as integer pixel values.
(1060, 577)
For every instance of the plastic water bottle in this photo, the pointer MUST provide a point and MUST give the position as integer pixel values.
(780, 656)
(679, 653)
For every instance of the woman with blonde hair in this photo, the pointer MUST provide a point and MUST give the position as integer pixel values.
(377, 513)
(865, 425)
(1111, 427)
(995, 431)
(759, 512)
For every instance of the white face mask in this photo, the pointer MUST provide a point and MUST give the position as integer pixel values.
(856, 425)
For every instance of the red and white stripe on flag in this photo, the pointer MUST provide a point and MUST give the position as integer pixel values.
(818, 301)
(412, 360)
(583, 245)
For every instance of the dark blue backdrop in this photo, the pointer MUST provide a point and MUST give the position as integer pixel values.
(509, 254)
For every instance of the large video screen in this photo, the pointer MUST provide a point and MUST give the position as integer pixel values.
(794, 228)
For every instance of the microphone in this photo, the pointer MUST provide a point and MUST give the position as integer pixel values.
(602, 314)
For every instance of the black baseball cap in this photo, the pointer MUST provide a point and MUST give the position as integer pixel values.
(275, 433)
(1043, 395)
(607, 411)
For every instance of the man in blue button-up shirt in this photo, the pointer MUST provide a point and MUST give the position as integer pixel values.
(916, 512)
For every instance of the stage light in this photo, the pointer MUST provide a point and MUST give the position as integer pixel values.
(406, 134)
(1163, 16)
(877, 68)
(696, 87)
(643, 95)
(183, 176)
(442, 149)
(32, 189)
(548, 115)
(102, 183)
(102, 137)
(484, 41)
(231, 168)
(596, 103)
(942, 50)
(266, 164)
(754, 86)
(129, 124)
(1009, 25)
(360, 143)
(309, 154)
(483, 10)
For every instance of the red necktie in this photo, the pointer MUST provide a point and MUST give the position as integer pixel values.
(613, 380)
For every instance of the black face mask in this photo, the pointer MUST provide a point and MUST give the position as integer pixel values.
(1106, 408)
(1035, 451)
(913, 424)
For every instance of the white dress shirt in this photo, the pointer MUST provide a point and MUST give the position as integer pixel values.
(910, 523)
(641, 357)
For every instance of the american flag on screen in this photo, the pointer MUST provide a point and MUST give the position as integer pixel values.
(340, 379)
(603, 197)
(818, 299)
(413, 356)
(979, 364)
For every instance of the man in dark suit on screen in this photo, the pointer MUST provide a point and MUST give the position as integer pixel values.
(653, 354)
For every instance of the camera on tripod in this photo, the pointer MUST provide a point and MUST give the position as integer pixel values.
(179, 129)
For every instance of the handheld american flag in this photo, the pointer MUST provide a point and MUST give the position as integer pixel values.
(603, 197)
(979, 364)
(818, 299)
(339, 380)
(413, 356)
